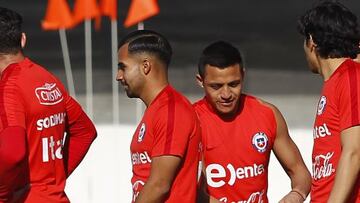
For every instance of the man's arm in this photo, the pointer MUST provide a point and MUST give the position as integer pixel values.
(348, 167)
(81, 133)
(163, 172)
(290, 159)
(12, 158)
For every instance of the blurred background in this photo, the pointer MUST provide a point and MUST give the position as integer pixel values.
(265, 32)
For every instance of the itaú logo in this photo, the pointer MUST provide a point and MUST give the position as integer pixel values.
(216, 173)
(49, 94)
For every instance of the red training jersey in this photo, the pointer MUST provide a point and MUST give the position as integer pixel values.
(338, 109)
(33, 99)
(236, 152)
(169, 127)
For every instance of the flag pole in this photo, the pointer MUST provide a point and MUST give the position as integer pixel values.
(67, 64)
(139, 104)
(115, 85)
(88, 69)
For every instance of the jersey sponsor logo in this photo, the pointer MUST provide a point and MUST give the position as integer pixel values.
(51, 148)
(141, 134)
(50, 121)
(255, 197)
(49, 94)
(140, 158)
(137, 187)
(322, 167)
(260, 142)
(321, 105)
(321, 131)
(216, 174)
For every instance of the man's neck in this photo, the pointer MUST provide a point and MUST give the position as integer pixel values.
(329, 66)
(7, 59)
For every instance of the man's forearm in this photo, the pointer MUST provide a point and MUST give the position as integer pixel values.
(153, 193)
(346, 176)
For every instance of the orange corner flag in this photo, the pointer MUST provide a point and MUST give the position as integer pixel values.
(109, 8)
(85, 10)
(140, 10)
(58, 16)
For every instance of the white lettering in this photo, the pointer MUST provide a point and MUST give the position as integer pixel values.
(51, 121)
(321, 131)
(55, 147)
(140, 158)
(217, 171)
(322, 167)
(255, 197)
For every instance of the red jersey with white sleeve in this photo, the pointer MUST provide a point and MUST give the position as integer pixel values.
(33, 99)
(338, 109)
(169, 127)
(236, 152)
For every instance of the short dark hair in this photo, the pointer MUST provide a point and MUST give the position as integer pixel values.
(334, 29)
(220, 54)
(10, 31)
(150, 42)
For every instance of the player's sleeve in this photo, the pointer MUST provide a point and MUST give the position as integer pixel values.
(173, 128)
(12, 141)
(348, 99)
(81, 133)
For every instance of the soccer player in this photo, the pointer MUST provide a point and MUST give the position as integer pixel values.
(165, 145)
(35, 112)
(238, 133)
(332, 36)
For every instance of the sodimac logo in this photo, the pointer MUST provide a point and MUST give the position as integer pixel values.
(49, 94)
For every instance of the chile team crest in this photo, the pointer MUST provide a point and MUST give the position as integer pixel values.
(321, 106)
(141, 134)
(260, 142)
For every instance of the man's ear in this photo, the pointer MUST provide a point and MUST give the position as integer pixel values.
(312, 45)
(200, 80)
(23, 40)
(146, 66)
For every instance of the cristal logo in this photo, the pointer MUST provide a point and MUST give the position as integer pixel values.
(321, 131)
(322, 167)
(216, 173)
(140, 158)
(48, 94)
(51, 149)
(253, 198)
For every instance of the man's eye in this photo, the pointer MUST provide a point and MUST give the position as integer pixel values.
(215, 86)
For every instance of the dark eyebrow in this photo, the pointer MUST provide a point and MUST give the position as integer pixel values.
(121, 65)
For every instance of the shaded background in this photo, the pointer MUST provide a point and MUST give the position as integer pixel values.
(264, 31)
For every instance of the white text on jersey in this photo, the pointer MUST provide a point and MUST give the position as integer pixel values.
(51, 121)
(216, 171)
(140, 158)
(54, 147)
(321, 131)
(322, 167)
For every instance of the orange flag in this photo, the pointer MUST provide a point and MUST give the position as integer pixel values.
(140, 10)
(58, 16)
(85, 10)
(109, 8)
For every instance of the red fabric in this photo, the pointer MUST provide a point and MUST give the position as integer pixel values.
(337, 111)
(237, 168)
(157, 136)
(12, 159)
(80, 136)
(34, 99)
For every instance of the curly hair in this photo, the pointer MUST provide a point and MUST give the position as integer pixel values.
(333, 28)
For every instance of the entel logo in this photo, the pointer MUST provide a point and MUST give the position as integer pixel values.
(216, 171)
(321, 131)
(140, 158)
(49, 94)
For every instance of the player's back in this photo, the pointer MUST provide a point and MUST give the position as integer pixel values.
(35, 100)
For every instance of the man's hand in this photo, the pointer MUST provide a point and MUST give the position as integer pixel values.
(292, 197)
